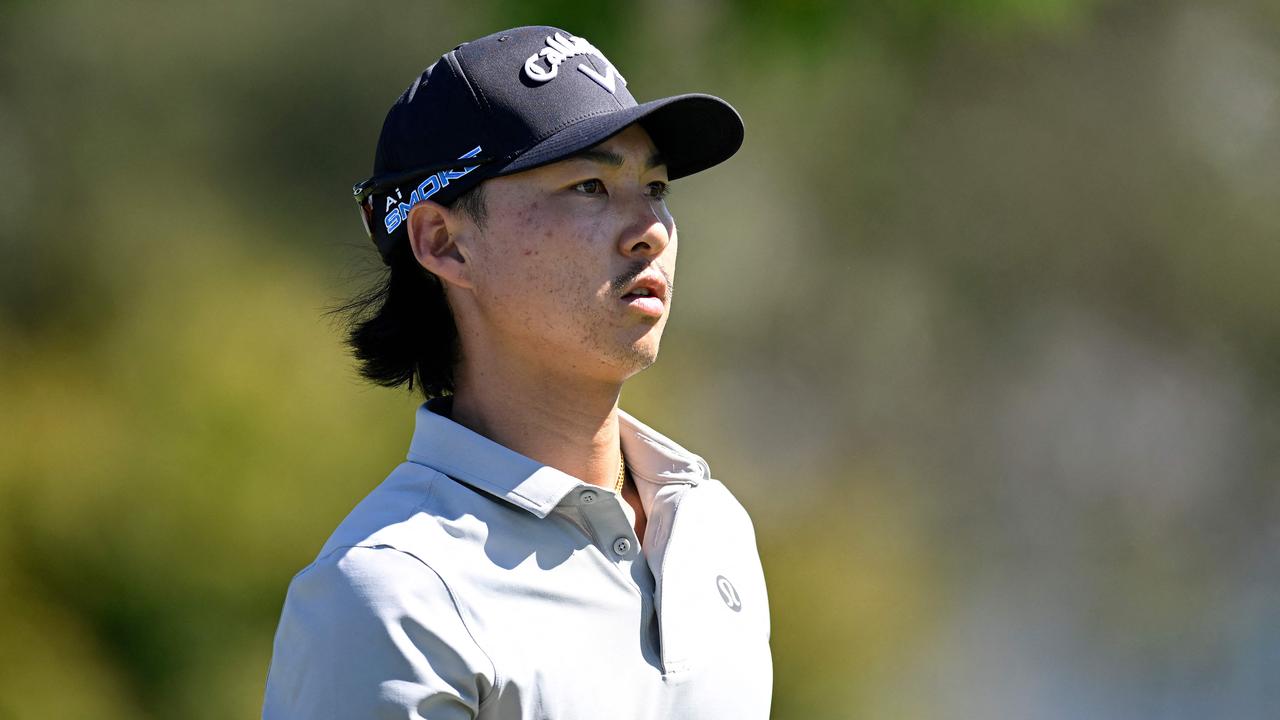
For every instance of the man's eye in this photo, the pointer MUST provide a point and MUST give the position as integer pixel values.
(591, 187)
(659, 189)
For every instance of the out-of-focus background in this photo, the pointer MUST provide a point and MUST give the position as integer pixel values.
(982, 325)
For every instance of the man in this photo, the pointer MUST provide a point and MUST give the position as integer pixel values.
(542, 554)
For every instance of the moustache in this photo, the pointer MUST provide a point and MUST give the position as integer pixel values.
(636, 270)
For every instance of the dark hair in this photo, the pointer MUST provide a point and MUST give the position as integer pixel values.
(401, 330)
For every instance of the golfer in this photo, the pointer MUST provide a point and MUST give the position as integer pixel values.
(541, 553)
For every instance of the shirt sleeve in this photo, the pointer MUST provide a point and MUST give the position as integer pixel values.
(373, 632)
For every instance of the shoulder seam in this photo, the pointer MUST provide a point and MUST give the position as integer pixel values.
(457, 606)
(453, 598)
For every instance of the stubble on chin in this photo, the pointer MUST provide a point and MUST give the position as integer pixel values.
(632, 358)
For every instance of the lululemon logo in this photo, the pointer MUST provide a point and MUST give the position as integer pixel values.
(728, 593)
(559, 49)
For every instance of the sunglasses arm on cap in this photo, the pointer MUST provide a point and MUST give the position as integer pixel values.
(364, 191)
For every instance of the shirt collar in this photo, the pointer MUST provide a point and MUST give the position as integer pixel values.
(457, 451)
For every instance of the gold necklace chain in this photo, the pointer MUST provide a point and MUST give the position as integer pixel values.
(622, 473)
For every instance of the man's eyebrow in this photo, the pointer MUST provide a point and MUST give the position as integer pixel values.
(612, 159)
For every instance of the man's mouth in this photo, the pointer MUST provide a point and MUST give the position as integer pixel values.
(643, 302)
(647, 294)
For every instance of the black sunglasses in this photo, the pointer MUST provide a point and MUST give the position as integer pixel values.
(364, 190)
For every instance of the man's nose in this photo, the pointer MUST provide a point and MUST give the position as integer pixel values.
(650, 229)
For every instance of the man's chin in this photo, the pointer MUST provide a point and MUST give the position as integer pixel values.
(638, 356)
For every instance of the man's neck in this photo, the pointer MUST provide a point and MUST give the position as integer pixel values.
(568, 423)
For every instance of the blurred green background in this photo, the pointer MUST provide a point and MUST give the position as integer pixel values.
(982, 325)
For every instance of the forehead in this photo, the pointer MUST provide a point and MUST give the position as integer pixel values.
(633, 143)
(632, 147)
(630, 151)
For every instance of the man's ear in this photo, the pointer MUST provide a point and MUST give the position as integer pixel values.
(433, 235)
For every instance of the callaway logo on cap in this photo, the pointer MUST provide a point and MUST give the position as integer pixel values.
(559, 48)
(515, 100)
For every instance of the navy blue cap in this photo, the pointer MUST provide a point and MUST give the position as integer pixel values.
(515, 100)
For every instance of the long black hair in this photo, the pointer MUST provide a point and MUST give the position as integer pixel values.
(401, 330)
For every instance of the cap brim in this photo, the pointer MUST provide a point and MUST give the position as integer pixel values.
(693, 132)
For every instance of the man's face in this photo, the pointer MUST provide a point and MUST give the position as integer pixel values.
(559, 248)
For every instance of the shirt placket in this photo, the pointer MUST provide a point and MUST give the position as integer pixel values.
(607, 525)
(612, 534)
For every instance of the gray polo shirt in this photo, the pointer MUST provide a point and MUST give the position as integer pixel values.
(475, 582)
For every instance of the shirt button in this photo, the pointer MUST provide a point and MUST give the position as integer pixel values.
(621, 546)
(588, 496)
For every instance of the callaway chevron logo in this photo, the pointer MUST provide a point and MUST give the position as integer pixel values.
(560, 48)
